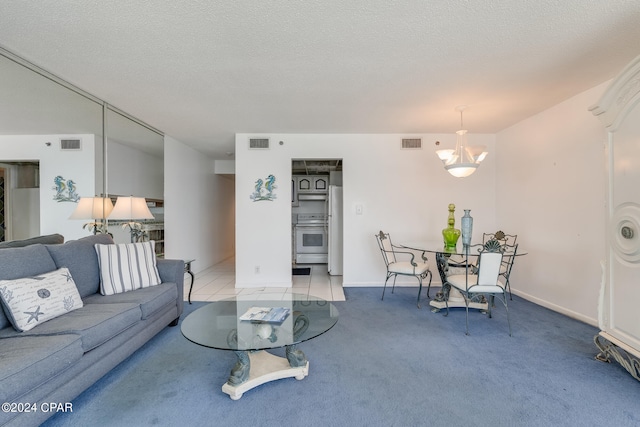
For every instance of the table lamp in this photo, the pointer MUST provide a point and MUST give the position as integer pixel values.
(95, 208)
(131, 208)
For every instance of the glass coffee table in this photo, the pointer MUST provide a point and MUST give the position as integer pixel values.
(219, 325)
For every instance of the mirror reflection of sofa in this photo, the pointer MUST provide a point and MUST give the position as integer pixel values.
(56, 360)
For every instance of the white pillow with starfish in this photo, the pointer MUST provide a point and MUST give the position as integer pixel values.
(30, 301)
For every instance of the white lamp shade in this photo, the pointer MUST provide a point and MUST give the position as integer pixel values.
(131, 208)
(461, 170)
(92, 208)
(477, 152)
(445, 155)
(480, 157)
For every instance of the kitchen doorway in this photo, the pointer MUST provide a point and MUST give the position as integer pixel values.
(316, 215)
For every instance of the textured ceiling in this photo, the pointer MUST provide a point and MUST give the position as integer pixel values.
(203, 70)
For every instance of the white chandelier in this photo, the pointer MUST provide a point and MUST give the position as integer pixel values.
(464, 160)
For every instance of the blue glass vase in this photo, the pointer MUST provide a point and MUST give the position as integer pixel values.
(466, 226)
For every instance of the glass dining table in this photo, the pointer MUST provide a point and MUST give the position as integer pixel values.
(450, 261)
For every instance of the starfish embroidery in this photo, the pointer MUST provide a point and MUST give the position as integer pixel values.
(68, 276)
(34, 314)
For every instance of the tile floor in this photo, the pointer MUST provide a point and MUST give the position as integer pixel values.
(219, 282)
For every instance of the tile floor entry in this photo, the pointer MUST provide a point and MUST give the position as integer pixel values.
(219, 282)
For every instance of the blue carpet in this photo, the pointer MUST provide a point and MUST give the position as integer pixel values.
(386, 363)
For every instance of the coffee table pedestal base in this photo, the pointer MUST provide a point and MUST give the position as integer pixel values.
(265, 367)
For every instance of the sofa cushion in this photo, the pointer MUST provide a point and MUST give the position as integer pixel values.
(151, 299)
(29, 361)
(126, 267)
(95, 323)
(30, 301)
(49, 239)
(23, 262)
(81, 260)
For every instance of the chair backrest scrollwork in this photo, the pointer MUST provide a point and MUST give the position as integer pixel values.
(384, 242)
(492, 245)
(502, 237)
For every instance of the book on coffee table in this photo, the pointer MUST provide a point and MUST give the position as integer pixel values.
(266, 314)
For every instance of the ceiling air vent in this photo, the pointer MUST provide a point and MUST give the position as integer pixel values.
(70, 144)
(258, 143)
(411, 143)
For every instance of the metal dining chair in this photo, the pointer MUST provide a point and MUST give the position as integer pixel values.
(485, 283)
(392, 254)
(508, 242)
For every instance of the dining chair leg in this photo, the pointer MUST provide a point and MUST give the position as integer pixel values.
(385, 286)
(506, 307)
(430, 274)
(467, 314)
(508, 286)
(491, 302)
(507, 276)
(419, 290)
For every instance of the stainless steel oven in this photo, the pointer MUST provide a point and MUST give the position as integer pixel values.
(311, 239)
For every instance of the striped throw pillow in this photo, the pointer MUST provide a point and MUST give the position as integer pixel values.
(126, 267)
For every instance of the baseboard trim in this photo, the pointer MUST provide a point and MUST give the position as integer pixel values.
(539, 301)
(559, 309)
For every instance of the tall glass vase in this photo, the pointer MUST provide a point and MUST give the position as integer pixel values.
(451, 234)
(466, 224)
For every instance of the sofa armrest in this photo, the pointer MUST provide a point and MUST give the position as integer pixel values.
(172, 271)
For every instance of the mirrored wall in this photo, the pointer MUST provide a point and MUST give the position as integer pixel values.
(59, 143)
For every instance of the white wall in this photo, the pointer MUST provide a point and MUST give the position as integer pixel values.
(76, 165)
(199, 207)
(225, 167)
(24, 211)
(550, 181)
(403, 192)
